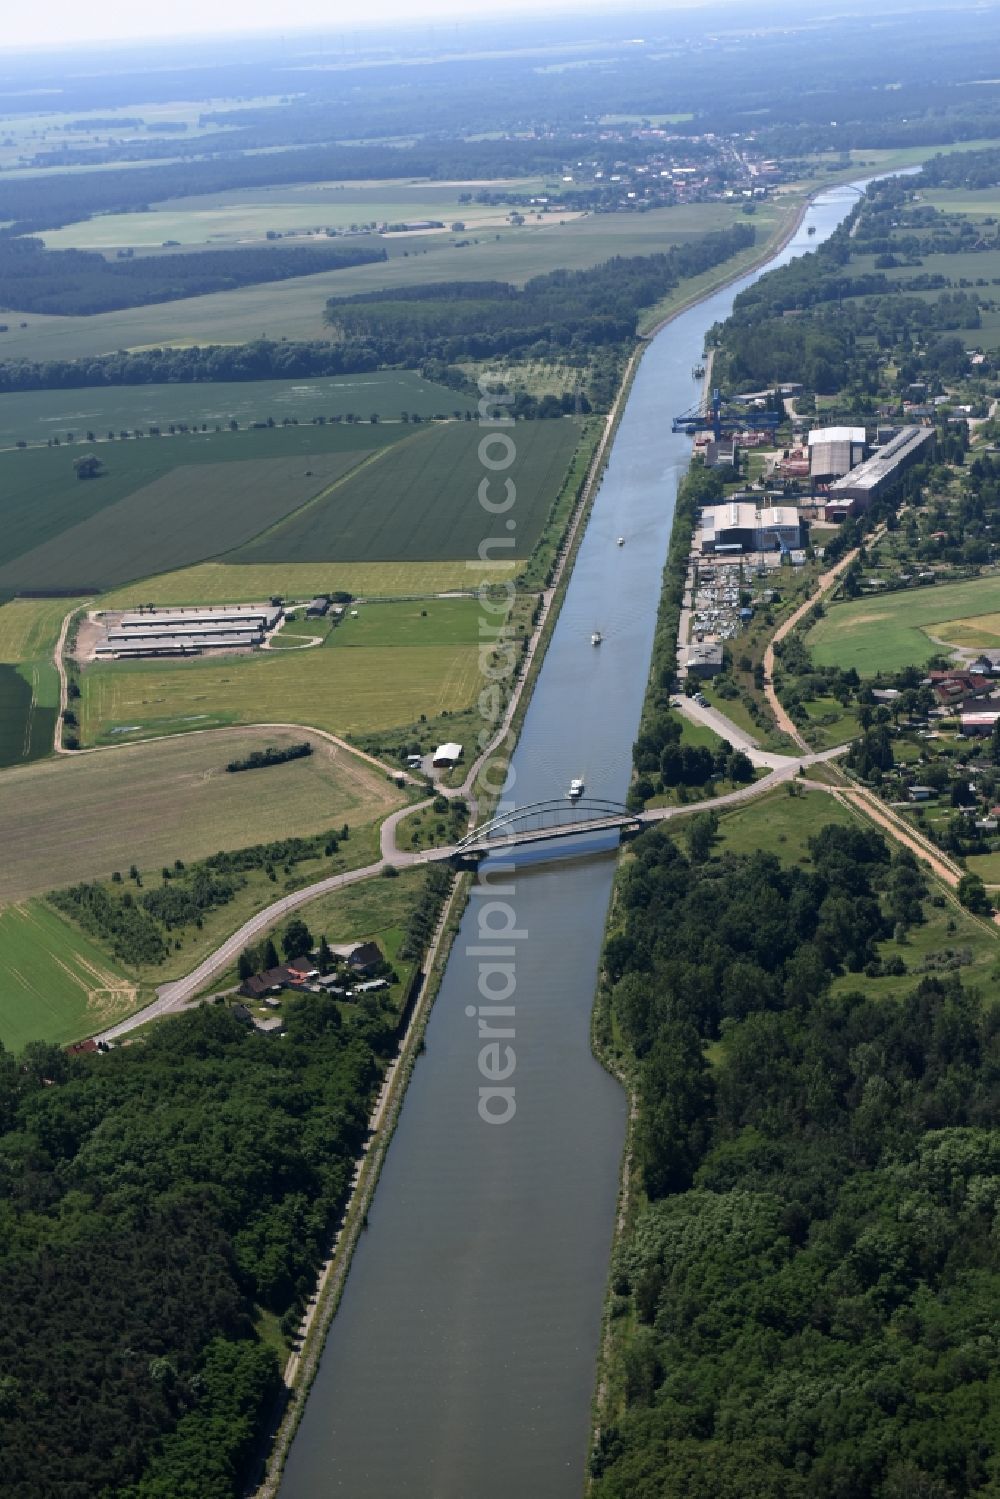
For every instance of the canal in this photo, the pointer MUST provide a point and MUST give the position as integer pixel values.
(461, 1362)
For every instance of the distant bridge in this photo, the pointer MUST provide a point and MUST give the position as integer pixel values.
(537, 822)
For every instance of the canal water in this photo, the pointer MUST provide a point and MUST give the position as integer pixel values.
(461, 1362)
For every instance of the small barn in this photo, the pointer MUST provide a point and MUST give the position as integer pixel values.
(447, 755)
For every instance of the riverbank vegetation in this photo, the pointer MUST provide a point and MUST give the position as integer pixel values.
(812, 1162)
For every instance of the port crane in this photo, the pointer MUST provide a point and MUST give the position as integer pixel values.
(718, 416)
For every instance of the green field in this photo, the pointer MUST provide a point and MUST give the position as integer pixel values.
(829, 723)
(226, 583)
(36, 415)
(295, 309)
(779, 824)
(889, 632)
(408, 625)
(55, 984)
(61, 820)
(345, 691)
(29, 686)
(162, 502)
(420, 503)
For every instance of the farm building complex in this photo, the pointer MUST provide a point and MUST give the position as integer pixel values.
(186, 632)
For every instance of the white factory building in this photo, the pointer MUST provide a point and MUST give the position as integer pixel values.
(834, 451)
(744, 526)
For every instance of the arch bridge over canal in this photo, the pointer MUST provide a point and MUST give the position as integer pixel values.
(539, 822)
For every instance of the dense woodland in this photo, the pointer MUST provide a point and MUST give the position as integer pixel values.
(561, 313)
(817, 322)
(807, 1293)
(79, 282)
(566, 313)
(151, 1200)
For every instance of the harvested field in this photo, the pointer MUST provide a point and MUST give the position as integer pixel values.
(232, 583)
(344, 691)
(421, 503)
(65, 820)
(982, 631)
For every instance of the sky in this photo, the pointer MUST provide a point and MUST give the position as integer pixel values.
(49, 23)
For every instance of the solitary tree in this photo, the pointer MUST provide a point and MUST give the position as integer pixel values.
(297, 939)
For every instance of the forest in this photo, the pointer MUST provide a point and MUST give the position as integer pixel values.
(155, 1204)
(805, 1297)
(80, 282)
(819, 322)
(563, 312)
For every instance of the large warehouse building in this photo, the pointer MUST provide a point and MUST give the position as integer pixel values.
(856, 490)
(743, 526)
(187, 632)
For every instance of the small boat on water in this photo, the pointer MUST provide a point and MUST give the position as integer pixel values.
(698, 373)
(621, 541)
(575, 789)
(811, 229)
(596, 638)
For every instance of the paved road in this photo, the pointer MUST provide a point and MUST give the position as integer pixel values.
(716, 720)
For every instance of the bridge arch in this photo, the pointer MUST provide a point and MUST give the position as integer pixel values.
(557, 815)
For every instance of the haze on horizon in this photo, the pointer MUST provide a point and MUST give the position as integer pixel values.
(58, 23)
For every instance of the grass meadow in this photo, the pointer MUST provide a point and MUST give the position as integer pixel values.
(407, 624)
(779, 824)
(888, 632)
(55, 983)
(170, 499)
(420, 503)
(36, 415)
(61, 820)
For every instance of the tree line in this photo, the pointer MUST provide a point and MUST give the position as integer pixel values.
(272, 755)
(806, 1291)
(141, 929)
(80, 282)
